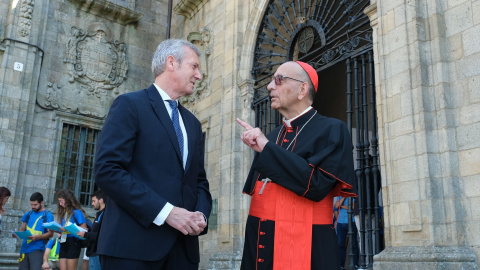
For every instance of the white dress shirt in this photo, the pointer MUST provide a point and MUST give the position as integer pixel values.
(162, 216)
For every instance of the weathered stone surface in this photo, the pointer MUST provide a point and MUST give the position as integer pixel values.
(399, 258)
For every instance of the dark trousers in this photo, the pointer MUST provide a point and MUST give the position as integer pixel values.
(342, 230)
(176, 259)
(32, 261)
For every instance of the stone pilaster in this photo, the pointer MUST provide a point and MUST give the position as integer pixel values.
(424, 130)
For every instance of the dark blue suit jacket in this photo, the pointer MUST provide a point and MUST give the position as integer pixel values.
(139, 168)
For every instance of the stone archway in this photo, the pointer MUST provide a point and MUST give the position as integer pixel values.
(336, 38)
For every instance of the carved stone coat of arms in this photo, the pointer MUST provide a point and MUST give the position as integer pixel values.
(96, 66)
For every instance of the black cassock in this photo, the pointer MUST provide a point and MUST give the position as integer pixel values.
(318, 162)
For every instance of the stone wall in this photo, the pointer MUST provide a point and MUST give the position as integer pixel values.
(230, 96)
(427, 81)
(427, 92)
(65, 62)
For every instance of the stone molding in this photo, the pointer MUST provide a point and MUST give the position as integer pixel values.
(371, 12)
(109, 11)
(425, 257)
(188, 8)
(202, 88)
(225, 260)
(25, 21)
(75, 119)
(96, 65)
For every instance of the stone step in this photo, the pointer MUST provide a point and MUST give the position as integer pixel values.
(9, 261)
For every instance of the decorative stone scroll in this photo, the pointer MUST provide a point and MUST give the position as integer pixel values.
(110, 11)
(188, 8)
(96, 65)
(202, 89)
(25, 21)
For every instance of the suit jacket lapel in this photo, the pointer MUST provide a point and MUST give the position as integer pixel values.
(158, 106)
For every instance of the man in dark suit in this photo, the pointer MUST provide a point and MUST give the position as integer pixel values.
(150, 164)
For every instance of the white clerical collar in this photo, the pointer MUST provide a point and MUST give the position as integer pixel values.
(288, 122)
(162, 93)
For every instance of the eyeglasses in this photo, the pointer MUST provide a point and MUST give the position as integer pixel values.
(280, 78)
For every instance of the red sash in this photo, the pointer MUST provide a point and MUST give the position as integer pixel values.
(294, 216)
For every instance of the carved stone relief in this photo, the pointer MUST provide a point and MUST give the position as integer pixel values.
(202, 89)
(96, 66)
(188, 8)
(25, 21)
(119, 11)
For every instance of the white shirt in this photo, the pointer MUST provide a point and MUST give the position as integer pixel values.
(162, 216)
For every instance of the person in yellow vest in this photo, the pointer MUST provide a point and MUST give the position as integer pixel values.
(50, 256)
(31, 253)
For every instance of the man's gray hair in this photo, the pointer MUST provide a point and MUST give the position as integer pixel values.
(173, 47)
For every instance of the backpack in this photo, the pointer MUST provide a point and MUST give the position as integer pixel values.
(44, 218)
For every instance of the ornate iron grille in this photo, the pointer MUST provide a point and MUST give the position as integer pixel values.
(76, 160)
(321, 32)
(328, 34)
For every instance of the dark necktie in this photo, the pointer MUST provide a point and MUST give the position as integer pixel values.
(176, 125)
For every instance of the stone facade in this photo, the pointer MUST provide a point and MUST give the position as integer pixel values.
(427, 76)
(63, 62)
(427, 79)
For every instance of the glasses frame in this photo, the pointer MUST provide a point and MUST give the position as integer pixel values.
(280, 78)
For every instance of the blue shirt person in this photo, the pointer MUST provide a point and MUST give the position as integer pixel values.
(31, 252)
(69, 211)
(342, 229)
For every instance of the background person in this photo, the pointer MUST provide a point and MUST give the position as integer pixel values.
(4, 196)
(342, 229)
(98, 203)
(31, 252)
(150, 164)
(50, 256)
(69, 211)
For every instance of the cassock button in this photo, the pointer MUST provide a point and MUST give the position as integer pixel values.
(261, 246)
(260, 260)
(262, 233)
(285, 140)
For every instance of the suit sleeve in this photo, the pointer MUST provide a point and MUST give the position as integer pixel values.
(114, 153)
(204, 198)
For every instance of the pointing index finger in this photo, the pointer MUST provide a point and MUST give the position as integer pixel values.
(243, 124)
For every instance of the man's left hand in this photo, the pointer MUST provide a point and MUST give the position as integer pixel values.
(188, 223)
(81, 234)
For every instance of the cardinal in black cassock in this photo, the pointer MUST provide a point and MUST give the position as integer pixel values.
(300, 167)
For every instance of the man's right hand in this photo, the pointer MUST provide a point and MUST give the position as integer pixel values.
(45, 265)
(188, 223)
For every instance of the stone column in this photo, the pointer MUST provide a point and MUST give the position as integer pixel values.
(21, 59)
(425, 81)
